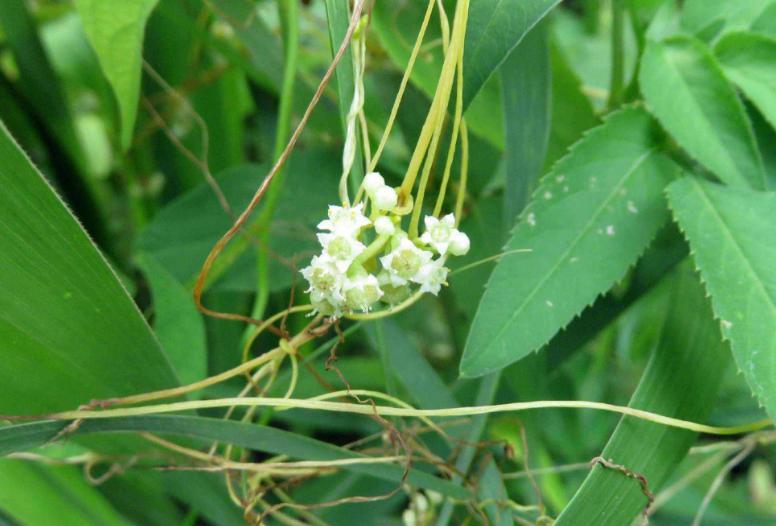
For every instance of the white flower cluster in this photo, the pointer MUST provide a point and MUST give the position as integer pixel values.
(421, 509)
(350, 276)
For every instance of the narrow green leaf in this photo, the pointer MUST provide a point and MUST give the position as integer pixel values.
(68, 330)
(749, 60)
(177, 322)
(526, 94)
(115, 29)
(252, 436)
(410, 367)
(732, 235)
(682, 380)
(494, 29)
(39, 495)
(686, 90)
(589, 220)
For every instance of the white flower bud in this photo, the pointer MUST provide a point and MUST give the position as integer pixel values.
(373, 181)
(384, 226)
(385, 198)
(459, 243)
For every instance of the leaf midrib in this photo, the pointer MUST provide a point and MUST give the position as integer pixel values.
(709, 125)
(615, 191)
(728, 233)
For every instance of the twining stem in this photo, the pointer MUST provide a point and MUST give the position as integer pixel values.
(439, 103)
(202, 278)
(405, 79)
(289, 16)
(343, 407)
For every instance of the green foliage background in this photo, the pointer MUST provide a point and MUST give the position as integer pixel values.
(629, 144)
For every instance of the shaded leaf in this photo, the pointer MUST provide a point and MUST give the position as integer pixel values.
(493, 31)
(115, 29)
(39, 495)
(251, 436)
(177, 322)
(749, 60)
(733, 240)
(682, 380)
(68, 330)
(685, 89)
(589, 220)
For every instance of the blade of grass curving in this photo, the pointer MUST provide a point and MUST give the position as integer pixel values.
(749, 60)
(684, 87)
(494, 30)
(115, 30)
(732, 237)
(251, 436)
(682, 380)
(68, 330)
(588, 222)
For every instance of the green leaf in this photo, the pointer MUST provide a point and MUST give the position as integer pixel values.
(749, 61)
(493, 31)
(68, 330)
(177, 322)
(589, 220)
(685, 89)
(682, 380)
(39, 495)
(732, 235)
(248, 435)
(410, 367)
(115, 29)
(712, 16)
(526, 95)
(182, 233)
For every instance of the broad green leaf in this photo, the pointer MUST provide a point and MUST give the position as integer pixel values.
(177, 322)
(526, 95)
(685, 89)
(766, 22)
(115, 29)
(749, 60)
(68, 330)
(712, 16)
(732, 235)
(182, 233)
(493, 31)
(682, 381)
(40, 495)
(589, 220)
(248, 435)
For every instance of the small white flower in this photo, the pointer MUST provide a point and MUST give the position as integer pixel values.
(432, 276)
(434, 497)
(362, 292)
(345, 220)
(341, 248)
(325, 280)
(404, 262)
(373, 181)
(409, 518)
(421, 503)
(438, 232)
(384, 226)
(459, 243)
(385, 198)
